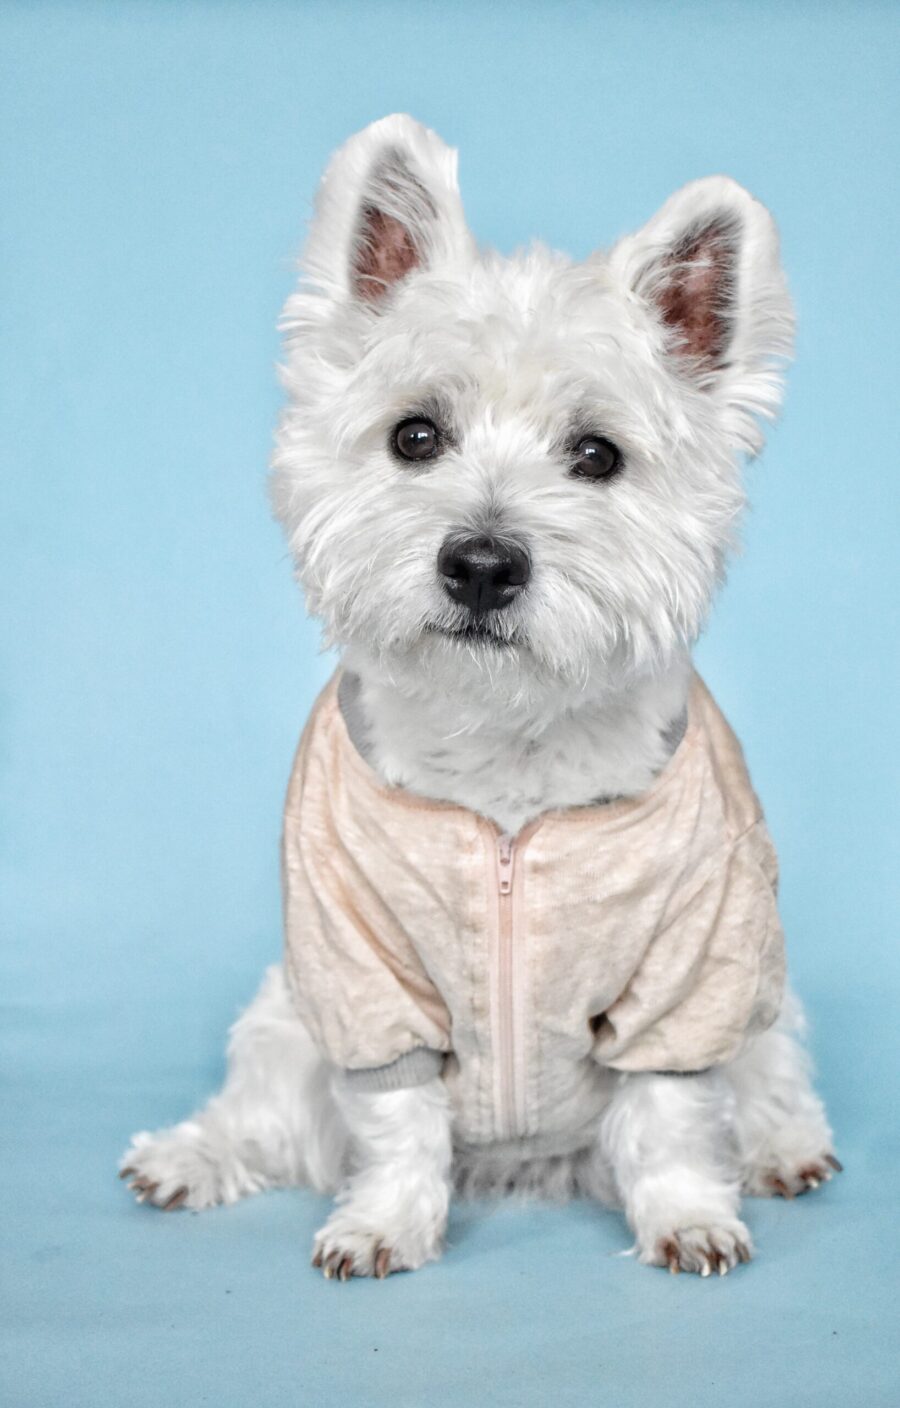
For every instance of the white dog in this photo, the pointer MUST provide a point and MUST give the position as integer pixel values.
(532, 939)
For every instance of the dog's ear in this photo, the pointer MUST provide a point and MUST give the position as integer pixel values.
(388, 204)
(708, 266)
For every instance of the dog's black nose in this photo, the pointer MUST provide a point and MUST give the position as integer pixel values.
(482, 574)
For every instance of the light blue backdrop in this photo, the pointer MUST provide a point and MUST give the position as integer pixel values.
(158, 164)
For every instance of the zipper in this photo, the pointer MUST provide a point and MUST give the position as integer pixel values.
(507, 992)
(505, 851)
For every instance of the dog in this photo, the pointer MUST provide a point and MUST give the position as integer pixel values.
(532, 937)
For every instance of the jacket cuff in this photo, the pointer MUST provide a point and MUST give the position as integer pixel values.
(414, 1068)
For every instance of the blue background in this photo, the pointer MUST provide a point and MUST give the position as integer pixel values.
(158, 165)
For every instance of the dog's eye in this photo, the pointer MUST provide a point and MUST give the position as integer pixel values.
(416, 440)
(596, 458)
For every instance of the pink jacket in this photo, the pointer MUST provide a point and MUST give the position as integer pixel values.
(640, 934)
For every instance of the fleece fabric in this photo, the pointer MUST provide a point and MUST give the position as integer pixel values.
(637, 935)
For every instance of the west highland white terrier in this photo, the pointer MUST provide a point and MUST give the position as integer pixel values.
(532, 940)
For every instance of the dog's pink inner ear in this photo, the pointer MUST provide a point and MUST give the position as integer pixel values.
(385, 254)
(695, 292)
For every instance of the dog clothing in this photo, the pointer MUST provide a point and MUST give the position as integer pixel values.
(638, 935)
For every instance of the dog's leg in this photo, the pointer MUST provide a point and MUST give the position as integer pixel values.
(665, 1139)
(784, 1143)
(391, 1214)
(274, 1121)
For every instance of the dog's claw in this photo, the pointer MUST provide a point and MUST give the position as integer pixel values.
(177, 1198)
(143, 1189)
(339, 1265)
(670, 1251)
(743, 1252)
(781, 1188)
(834, 1163)
(813, 1176)
(126, 1172)
(382, 1262)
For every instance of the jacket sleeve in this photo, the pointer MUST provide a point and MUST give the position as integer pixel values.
(712, 977)
(354, 976)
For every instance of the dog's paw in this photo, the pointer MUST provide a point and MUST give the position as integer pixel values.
(702, 1248)
(350, 1245)
(186, 1166)
(777, 1176)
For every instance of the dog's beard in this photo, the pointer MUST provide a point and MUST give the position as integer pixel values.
(478, 631)
(470, 650)
(494, 655)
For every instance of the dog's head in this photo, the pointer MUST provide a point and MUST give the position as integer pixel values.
(519, 472)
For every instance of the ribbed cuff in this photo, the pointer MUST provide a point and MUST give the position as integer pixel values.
(414, 1068)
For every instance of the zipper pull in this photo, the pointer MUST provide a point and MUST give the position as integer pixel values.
(504, 863)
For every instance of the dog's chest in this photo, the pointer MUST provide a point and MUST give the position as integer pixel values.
(511, 773)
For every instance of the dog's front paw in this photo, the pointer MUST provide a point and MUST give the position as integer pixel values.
(702, 1248)
(188, 1166)
(350, 1244)
(776, 1176)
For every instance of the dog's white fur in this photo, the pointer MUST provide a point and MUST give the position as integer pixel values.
(573, 701)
